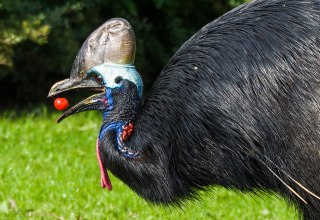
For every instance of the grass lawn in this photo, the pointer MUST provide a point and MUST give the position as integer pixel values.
(50, 171)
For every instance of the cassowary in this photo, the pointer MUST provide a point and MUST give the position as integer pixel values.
(238, 105)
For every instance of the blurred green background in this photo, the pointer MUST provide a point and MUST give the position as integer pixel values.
(49, 171)
(39, 39)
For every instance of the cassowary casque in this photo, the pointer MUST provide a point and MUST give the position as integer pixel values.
(238, 105)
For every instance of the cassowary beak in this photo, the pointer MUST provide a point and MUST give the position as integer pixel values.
(113, 42)
(90, 103)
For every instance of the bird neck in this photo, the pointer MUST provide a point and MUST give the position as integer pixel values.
(142, 168)
(135, 151)
(119, 117)
(123, 131)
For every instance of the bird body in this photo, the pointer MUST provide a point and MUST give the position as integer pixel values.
(237, 105)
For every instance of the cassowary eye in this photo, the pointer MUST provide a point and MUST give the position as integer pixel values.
(118, 80)
(98, 78)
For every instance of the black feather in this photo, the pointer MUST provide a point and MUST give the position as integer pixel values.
(238, 105)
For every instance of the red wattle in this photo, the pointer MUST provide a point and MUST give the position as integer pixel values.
(105, 180)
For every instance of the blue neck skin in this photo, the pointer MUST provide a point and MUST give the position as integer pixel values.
(109, 72)
(117, 126)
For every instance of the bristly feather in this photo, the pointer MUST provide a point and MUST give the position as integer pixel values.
(238, 105)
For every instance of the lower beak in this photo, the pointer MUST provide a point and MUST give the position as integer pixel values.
(94, 102)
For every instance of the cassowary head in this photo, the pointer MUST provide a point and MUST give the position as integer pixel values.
(105, 64)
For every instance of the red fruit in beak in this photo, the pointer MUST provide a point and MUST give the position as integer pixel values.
(61, 103)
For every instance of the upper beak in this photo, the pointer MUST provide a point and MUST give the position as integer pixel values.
(70, 84)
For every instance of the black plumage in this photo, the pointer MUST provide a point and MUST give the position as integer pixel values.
(237, 105)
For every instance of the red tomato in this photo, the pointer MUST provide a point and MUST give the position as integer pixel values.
(61, 103)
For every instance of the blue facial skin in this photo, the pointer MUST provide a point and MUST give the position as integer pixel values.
(111, 72)
(110, 75)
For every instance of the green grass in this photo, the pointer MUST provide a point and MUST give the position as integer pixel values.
(50, 171)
